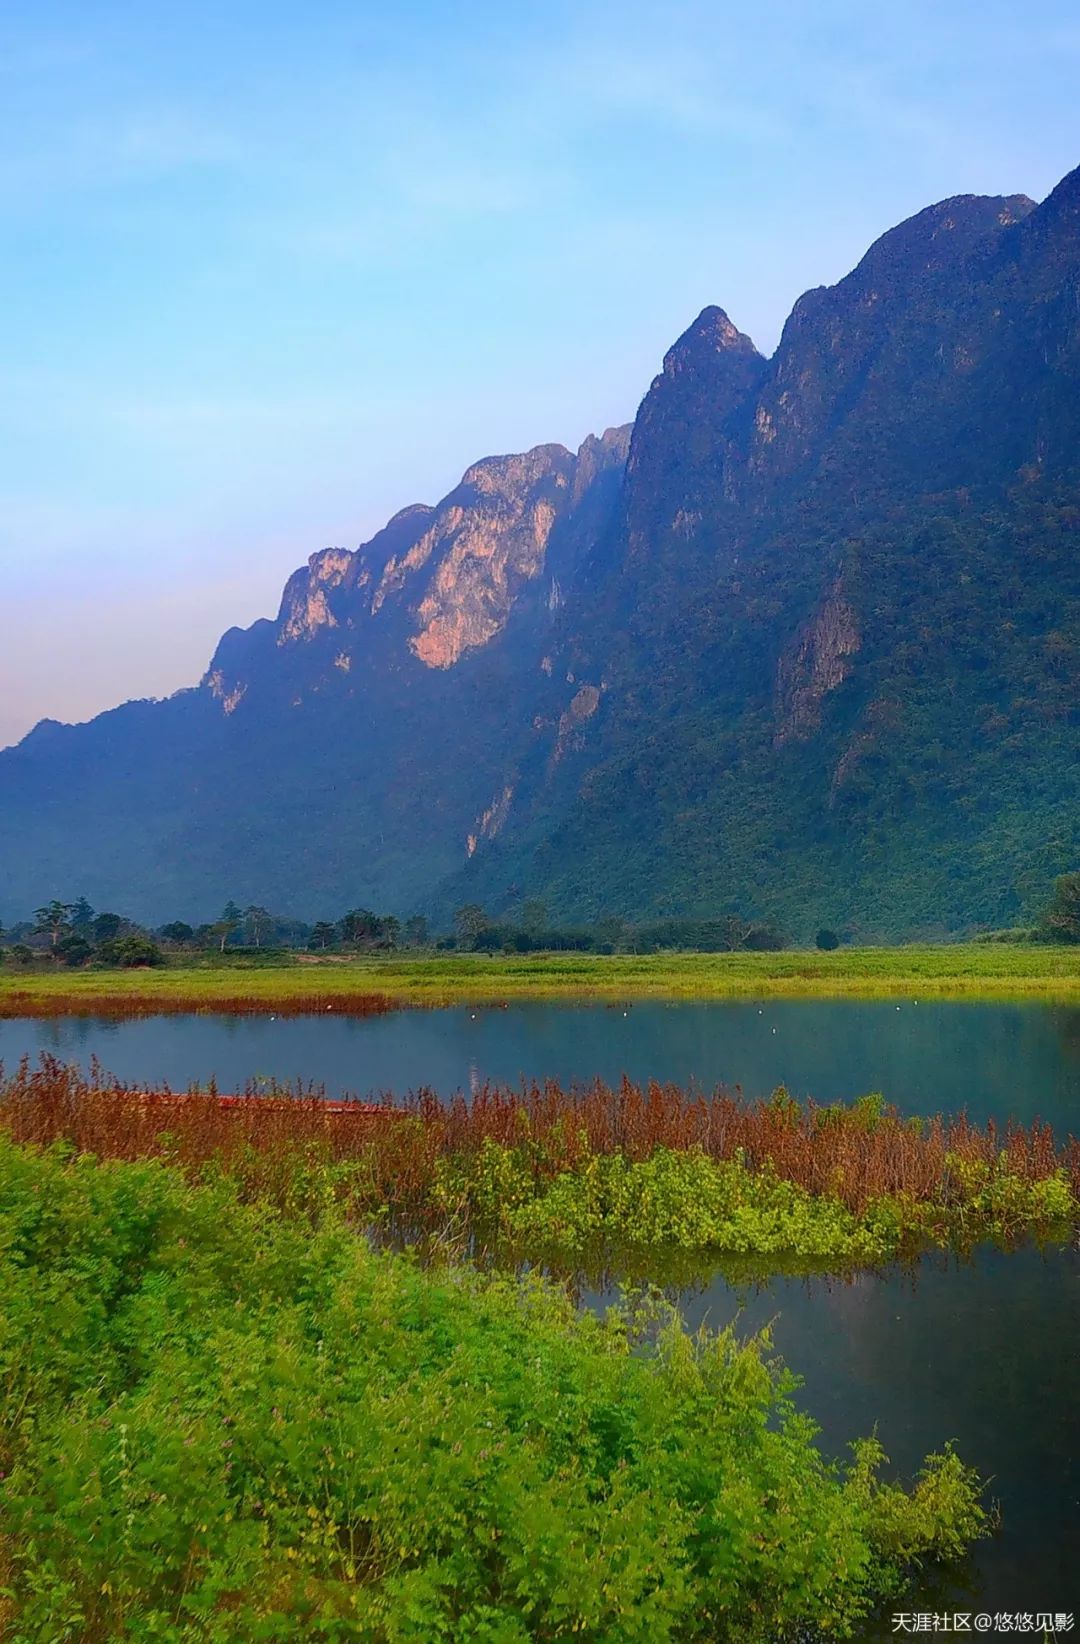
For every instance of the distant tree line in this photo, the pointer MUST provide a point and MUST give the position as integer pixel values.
(532, 931)
(74, 934)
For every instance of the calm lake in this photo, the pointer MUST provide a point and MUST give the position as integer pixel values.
(986, 1352)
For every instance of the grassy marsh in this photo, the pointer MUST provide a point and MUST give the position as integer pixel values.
(368, 983)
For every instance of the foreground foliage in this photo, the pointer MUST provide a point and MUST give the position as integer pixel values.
(219, 1421)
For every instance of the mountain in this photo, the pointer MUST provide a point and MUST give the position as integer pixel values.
(803, 643)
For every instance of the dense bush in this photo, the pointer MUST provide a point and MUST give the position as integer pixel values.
(220, 1423)
(130, 951)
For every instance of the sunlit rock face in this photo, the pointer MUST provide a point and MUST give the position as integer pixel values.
(486, 548)
(454, 571)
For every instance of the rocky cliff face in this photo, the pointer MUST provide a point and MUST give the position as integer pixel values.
(805, 644)
(437, 583)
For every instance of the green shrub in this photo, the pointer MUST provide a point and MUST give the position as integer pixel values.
(222, 1422)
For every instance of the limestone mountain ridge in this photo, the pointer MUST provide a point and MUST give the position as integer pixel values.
(803, 642)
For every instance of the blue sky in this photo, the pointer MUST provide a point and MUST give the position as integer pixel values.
(268, 272)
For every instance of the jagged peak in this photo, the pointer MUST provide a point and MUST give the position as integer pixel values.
(329, 564)
(612, 439)
(410, 512)
(711, 333)
(395, 537)
(1062, 202)
(940, 237)
(41, 732)
(598, 454)
(610, 446)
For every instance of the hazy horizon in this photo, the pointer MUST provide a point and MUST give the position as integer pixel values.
(268, 278)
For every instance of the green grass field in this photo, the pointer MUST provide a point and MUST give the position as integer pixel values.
(973, 970)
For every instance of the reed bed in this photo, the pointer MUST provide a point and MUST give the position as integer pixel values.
(855, 1154)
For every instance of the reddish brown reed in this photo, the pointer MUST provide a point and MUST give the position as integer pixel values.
(843, 1151)
(101, 1115)
(17, 1003)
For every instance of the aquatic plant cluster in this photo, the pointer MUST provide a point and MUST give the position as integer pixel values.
(594, 1171)
(223, 1419)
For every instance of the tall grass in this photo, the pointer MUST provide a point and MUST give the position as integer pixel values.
(99, 994)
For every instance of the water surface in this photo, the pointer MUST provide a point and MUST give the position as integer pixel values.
(996, 1060)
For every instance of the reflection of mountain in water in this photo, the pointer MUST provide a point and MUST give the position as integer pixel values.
(995, 1060)
(1066, 1020)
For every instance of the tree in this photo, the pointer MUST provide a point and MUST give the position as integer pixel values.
(258, 922)
(82, 916)
(323, 933)
(470, 921)
(53, 920)
(732, 932)
(611, 932)
(229, 921)
(1061, 920)
(391, 930)
(177, 932)
(826, 940)
(73, 950)
(534, 916)
(361, 928)
(416, 931)
(107, 927)
(763, 939)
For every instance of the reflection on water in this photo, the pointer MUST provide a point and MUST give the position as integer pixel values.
(984, 1352)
